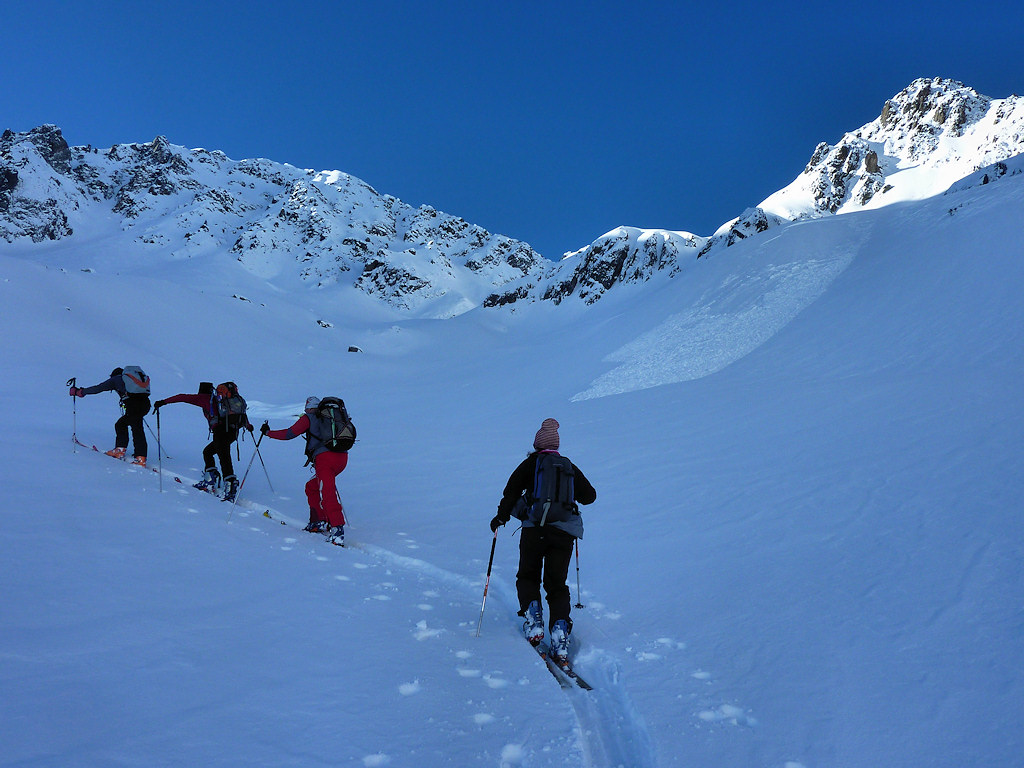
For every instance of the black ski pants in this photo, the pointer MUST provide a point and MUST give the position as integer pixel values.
(544, 557)
(135, 408)
(220, 446)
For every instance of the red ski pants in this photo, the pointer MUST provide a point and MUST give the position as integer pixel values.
(322, 490)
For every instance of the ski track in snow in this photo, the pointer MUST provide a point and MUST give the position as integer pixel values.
(610, 730)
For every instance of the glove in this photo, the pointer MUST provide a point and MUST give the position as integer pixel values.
(75, 392)
(264, 428)
(249, 427)
(496, 523)
(159, 404)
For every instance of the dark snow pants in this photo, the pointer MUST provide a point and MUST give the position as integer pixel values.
(135, 407)
(544, 557)
(220, 446)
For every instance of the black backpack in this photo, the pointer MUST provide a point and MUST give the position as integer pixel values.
(230, 410)
(554, 493)
(335, 430)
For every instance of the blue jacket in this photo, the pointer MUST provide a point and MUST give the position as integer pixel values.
(113, 384)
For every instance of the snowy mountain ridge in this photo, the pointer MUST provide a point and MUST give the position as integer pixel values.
(327, 228)
(929, 135)
(331, 230)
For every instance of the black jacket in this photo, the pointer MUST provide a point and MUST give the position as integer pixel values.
(521, 482)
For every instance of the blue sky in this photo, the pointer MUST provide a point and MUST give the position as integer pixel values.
(549, 122)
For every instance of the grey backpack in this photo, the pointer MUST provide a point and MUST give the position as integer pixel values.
(136, 382)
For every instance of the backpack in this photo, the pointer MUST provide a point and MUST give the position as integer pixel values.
(335, 429)
(553, 497)
(230, 410)
(136, 382)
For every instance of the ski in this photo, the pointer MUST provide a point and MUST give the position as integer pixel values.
(563, 673)
(215, 492)
(97, 450)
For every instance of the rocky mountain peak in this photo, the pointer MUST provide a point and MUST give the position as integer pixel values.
(934, 100)
(914, 120)
(927, 136)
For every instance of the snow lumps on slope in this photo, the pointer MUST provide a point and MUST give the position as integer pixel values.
(731, 320)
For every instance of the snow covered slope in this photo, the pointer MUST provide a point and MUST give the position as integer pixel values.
(805, 551)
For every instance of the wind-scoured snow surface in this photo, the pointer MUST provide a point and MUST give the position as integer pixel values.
(806, 550)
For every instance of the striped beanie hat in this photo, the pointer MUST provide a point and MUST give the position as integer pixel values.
(546, 438)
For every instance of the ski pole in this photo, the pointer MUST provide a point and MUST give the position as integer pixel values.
(579, 595)
(487, 583)
(234, 501)
(157, 435)
(264, 465)
(74, 418)
(159, 453)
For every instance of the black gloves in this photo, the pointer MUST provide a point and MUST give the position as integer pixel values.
(264, 428)
(497, 522)
(159, 404)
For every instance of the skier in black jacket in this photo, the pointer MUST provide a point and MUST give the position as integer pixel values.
(543, 492)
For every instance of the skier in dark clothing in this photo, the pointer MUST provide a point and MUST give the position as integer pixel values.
(132, 386)
(226, 417)
(543, 492)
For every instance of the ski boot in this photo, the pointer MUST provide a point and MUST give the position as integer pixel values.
(117, 453)
(211, 482)
(560, 642)
(533, 627)
(139, 461)
(336, 535)
(316, 526)
(232, 488)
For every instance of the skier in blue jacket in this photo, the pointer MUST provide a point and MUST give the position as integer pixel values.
(134, 395)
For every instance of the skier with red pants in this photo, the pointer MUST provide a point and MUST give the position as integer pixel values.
(326, 514)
